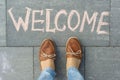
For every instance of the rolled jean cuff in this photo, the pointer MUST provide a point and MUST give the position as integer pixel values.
(74, 74)
(72, 68)
(50, 71)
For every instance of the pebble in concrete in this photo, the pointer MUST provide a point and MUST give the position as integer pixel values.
(2, 23)
(115, 3)
(16, 63)
(102, 63)
(114, 27)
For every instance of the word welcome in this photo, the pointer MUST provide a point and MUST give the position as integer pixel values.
(79, 25)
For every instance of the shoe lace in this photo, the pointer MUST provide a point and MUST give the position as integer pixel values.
(51, 56)
(74, 53)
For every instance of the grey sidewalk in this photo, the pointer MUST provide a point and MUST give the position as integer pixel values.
(19, 49)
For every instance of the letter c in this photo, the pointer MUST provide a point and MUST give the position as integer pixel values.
(57, 17)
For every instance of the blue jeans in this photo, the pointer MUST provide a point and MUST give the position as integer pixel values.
(49, 74)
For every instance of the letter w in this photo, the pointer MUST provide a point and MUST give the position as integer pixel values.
(20, 20)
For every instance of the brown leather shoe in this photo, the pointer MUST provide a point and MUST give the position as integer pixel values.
(47, 54)
(73, 52)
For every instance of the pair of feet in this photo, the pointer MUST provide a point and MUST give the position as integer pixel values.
(47, 54)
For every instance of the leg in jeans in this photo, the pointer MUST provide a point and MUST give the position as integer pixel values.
(74, 57)
(74, 74)
(47, 74)
(47, 56)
